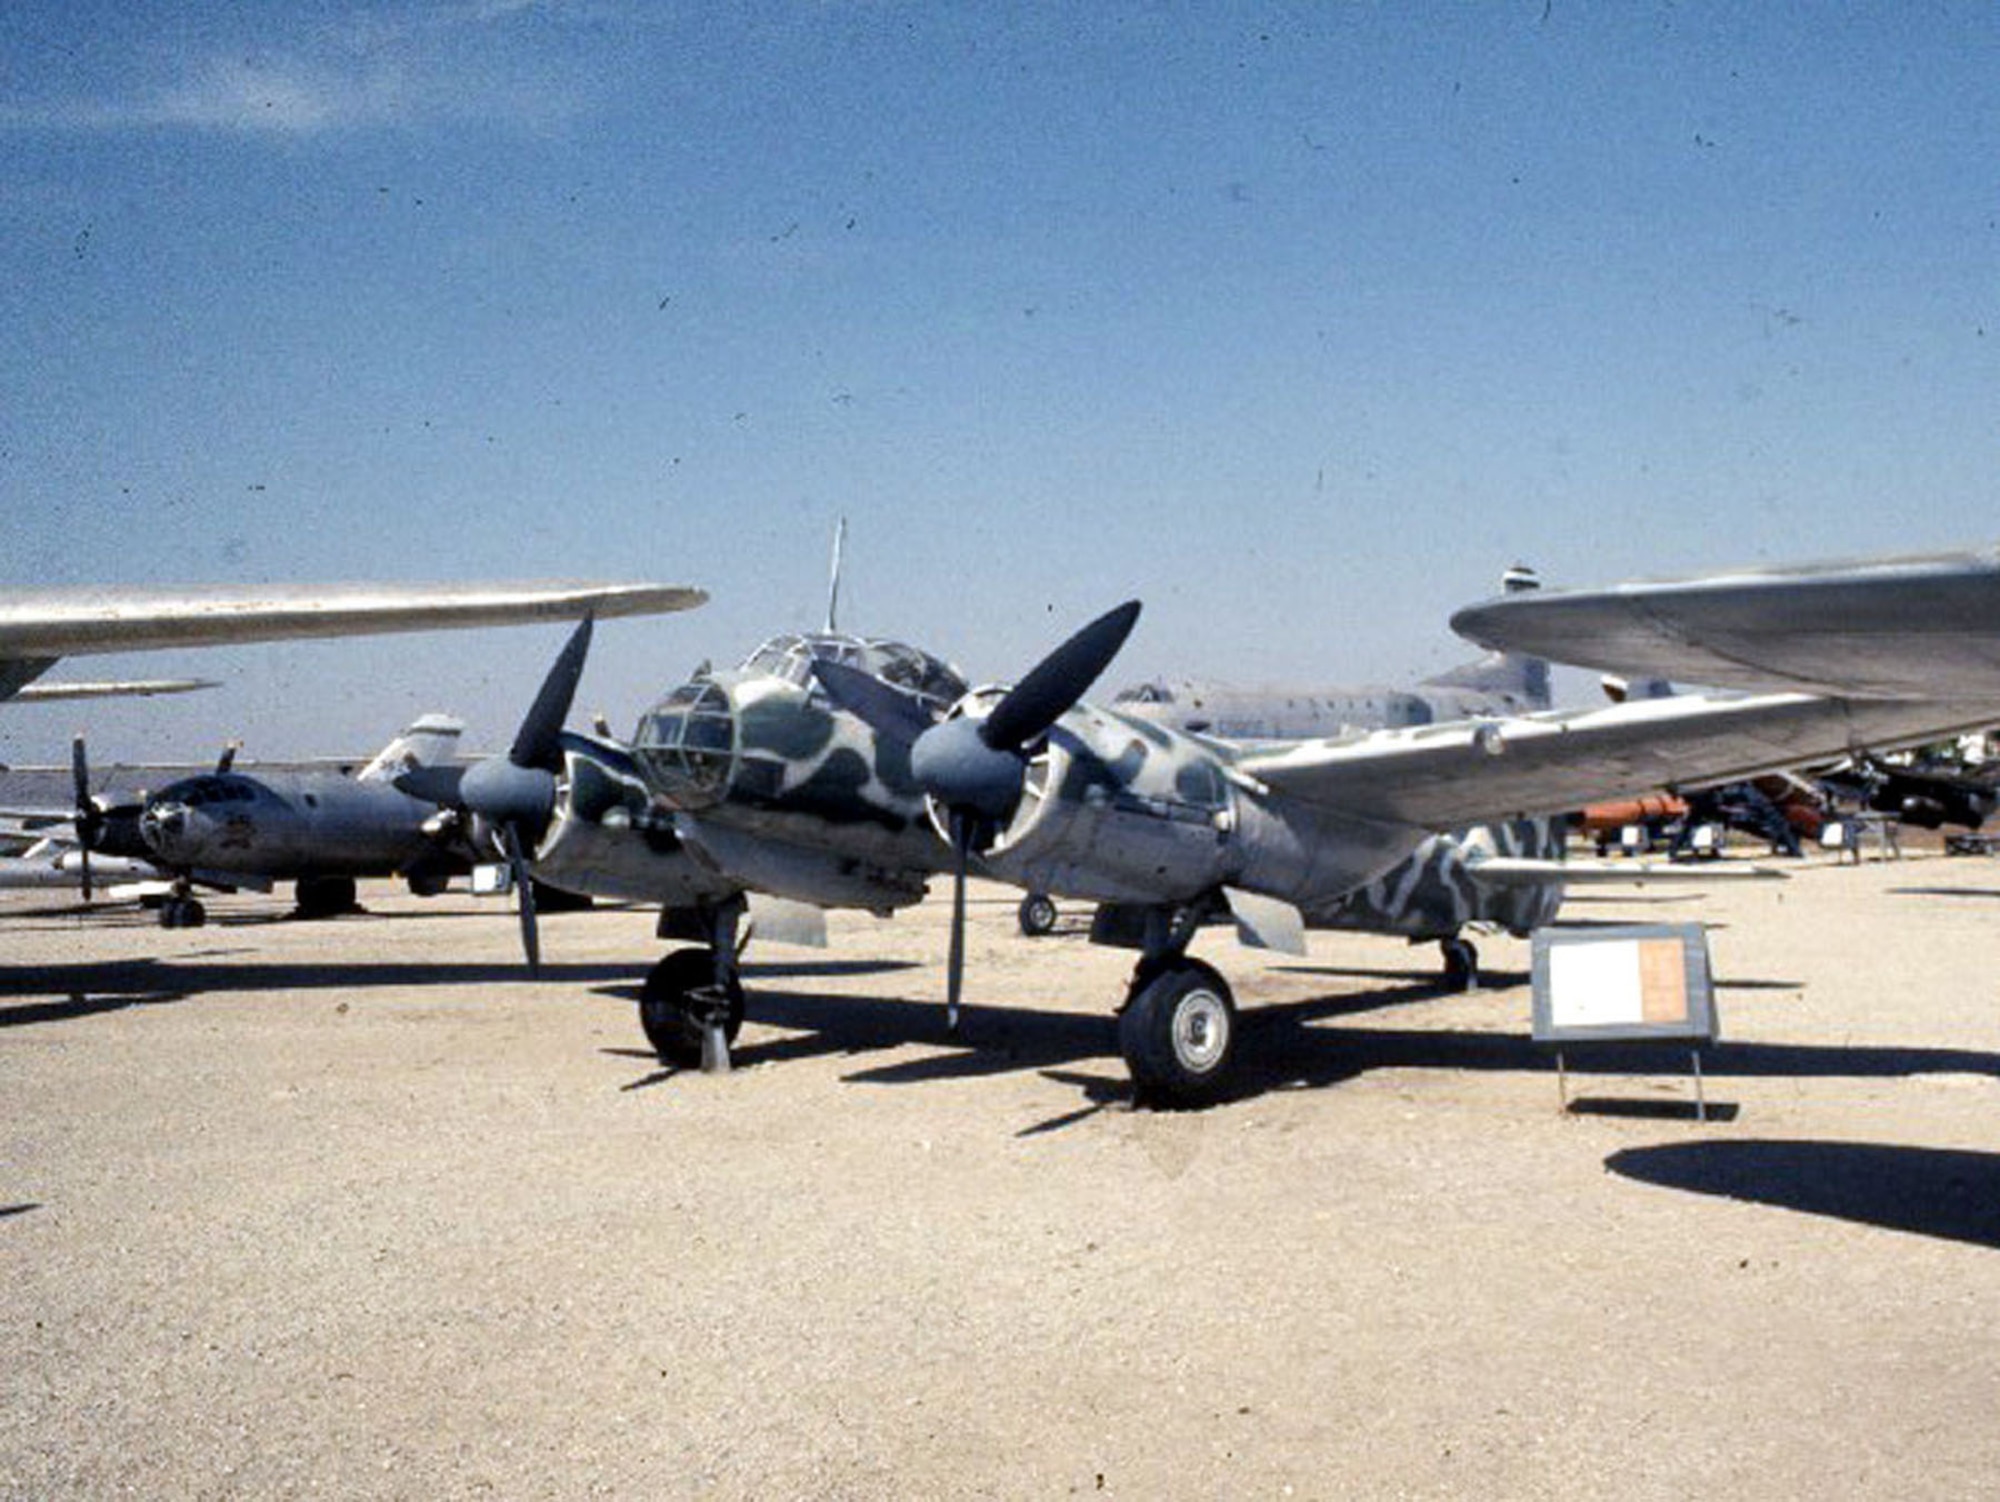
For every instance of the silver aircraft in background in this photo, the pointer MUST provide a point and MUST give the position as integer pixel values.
(235, 829)
(1909, 627)
(1501, 683)
(39, 626)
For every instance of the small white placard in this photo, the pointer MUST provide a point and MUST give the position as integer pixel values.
(1596, 985)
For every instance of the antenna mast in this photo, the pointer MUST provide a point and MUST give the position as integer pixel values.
(833, 585)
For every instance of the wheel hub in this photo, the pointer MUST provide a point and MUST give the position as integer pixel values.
(1201, 1031)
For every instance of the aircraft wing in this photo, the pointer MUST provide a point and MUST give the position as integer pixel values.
(38, 626)
(1445, 777)
(1916, 627)
(41, 693)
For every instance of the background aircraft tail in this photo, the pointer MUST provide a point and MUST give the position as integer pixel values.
(1503, 675)
(431, 740)
(1524, 681)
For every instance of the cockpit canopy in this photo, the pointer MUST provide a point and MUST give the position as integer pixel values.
(791, 658)
(687, 743)
(197, 791)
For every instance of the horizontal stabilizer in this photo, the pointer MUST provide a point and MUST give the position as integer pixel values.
(1505, 871)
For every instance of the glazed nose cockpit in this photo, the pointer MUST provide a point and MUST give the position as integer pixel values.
(726, 729)
(686, 744)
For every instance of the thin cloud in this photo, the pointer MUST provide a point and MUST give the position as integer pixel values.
(375, 70)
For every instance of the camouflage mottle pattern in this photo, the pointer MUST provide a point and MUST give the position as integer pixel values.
(1123, 811)
(746, 779)
(1437, 891)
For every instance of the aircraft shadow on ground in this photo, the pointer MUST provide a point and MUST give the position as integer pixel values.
(60, 993)
(1289, 1046)
(1947, 1193)
(1986, 892)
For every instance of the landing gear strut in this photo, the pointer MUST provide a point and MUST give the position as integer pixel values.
(692, 1004)
(1177, 1028)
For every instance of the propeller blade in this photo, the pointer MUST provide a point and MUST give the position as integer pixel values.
(883, 708)
(961, 851)
(438, 785)
(1055, 683)
(88, 815)
(509, 840)
(537, 743)
(228, 757)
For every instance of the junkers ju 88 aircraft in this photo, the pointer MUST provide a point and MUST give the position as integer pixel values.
(748, 783)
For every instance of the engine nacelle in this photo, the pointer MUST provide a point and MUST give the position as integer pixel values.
(1123, 811)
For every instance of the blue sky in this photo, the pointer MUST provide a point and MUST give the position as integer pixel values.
(1298, 322)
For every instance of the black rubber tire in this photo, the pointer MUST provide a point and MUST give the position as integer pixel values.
(324, 896)
(1037, 914)
(193, 914)
(1178, 1034)
(1461, 964)
(663, 1010)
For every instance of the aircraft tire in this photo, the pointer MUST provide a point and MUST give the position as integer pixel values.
(182, 912)
(325, 896)
(666, 1014)
(1461, 964)
(1178, 1033)
(1037, 914)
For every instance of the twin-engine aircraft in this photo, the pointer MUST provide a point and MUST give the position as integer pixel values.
(834, 771)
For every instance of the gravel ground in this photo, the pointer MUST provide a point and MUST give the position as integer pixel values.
(356, 1209)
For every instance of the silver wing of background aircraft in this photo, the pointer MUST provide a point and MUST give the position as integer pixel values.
(1924, 627)
(142, 688)
(38, 626)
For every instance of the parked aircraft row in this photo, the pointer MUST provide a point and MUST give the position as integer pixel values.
(838, 771)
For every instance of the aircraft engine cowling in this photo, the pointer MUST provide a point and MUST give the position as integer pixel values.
(1111, 811)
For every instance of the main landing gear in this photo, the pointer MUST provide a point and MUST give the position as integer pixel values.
(1461, 964)
(178, 910)
(1177, 1028)
(1036, 914)
(692, 1005)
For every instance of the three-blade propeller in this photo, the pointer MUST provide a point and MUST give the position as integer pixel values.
(975, 770)
(515, 795)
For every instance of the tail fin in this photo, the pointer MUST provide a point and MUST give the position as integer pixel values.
(1502, 674)
(1507, 675)
(432, 739)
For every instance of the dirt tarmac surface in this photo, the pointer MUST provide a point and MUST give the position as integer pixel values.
(356, 1209)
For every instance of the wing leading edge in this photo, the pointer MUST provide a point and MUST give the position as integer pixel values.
(1449, 776)
(1916, 627)
(40, 625)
